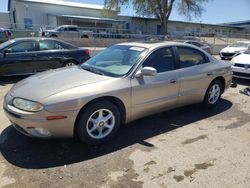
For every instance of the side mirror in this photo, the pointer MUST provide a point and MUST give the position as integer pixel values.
(146, 71)
(6, 51)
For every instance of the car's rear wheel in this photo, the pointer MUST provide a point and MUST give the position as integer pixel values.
(98, 123)
(70, 63)
(213, 94)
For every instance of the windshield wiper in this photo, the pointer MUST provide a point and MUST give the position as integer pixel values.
(91, 69)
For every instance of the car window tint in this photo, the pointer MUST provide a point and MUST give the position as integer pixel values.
(27, 46)
(190, 57)
(72, 29)
(197, 44)
(50, 45)
(162, 60)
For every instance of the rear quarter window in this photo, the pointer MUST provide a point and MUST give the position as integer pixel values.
(189, 57)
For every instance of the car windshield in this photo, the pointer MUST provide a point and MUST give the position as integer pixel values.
(240, 44)
(115, 61)
(5, 44)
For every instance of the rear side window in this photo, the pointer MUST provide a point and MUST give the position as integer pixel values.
(50, 45)
(190, 57)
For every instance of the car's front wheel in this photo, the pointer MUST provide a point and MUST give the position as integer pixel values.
(98, 123)
(213, 94)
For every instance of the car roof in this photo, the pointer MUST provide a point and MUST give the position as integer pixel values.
(33, 38)
(150, 44)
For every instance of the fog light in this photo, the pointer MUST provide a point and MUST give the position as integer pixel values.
(40, 132)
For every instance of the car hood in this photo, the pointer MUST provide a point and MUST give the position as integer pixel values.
(233, 49)
(242, 59)
(43, 85)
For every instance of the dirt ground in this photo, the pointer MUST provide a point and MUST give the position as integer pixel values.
(186, 147)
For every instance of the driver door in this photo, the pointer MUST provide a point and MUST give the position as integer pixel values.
(151, 94)
(20, 59)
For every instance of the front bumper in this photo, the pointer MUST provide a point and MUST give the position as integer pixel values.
(241, 72)
(227, 55)
(36, 124)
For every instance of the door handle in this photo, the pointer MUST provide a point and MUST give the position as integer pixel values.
(210, 73)
(173, 81)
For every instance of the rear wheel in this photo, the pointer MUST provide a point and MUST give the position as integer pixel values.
(70, 63)
(213, 94)
(98, 123)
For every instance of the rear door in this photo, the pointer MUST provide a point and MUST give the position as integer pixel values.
(196, 73)
(50, 55)
(151, 94)
(20, 59)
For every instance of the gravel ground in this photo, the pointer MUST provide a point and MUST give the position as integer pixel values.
(185, 147)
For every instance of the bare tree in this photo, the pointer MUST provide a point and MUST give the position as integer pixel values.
(161, 9)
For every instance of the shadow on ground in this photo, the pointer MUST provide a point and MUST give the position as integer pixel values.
(31, 153)
(243, 82)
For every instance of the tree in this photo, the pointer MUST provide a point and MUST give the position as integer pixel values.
(161, 9)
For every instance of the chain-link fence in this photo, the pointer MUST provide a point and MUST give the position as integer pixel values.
(104, 37)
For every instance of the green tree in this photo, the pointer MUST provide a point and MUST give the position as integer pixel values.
(161, 9)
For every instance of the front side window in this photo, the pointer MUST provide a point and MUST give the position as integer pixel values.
(50, 45)
(162, 60)
(115, 61)
(190, 57)
(27, 46)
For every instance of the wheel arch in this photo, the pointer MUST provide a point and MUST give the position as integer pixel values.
(116, 101)
(222, 80)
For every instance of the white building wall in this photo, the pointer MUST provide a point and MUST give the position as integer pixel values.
(39, 12)
(5, 20)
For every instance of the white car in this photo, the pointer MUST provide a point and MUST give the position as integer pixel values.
(241, 65)
(237, 48)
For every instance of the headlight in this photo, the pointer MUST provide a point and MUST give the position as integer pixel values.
(27, 105)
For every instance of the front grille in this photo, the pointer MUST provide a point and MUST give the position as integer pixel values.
(241, 74)
(227, 54)
(238, 65)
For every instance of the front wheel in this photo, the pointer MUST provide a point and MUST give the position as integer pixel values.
(98, 123)
(213, 94)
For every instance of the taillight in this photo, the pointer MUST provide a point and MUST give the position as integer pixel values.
(87, 52)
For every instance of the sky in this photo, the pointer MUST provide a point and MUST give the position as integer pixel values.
(216, 11)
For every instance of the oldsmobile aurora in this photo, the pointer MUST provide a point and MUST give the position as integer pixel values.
(123, 83)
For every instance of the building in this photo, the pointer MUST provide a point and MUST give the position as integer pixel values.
(243, 24)
(153, 26)
(31, 14)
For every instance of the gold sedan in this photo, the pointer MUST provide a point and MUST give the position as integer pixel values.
(124, 82)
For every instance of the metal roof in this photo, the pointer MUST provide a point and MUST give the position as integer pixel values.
(67, 3)
(91, 18)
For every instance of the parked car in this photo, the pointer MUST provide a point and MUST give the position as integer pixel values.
(30, 55)
(241, 65)
(67, 31)
(5, 34)
(234, 49)
(120, 84)
(202, 45)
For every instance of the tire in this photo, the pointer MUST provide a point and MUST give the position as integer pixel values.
(213, 94)
(222, 58)
(53, 36)
(70, 63)
(85, 36)
(98, 123)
